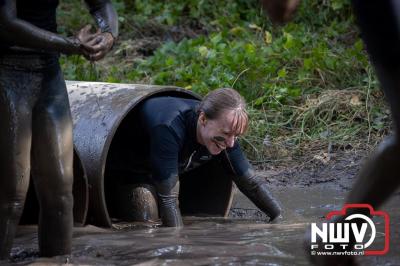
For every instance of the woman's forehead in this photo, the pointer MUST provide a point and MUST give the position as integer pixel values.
(226, 118)
(231, 122)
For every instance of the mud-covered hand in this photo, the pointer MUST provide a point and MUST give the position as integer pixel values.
(95, 45)
(99, 46)
(255, 188)
(280, 11)
(84, 37)
(106, 19)
(168, 193)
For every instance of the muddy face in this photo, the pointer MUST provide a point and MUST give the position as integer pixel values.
(217, 134)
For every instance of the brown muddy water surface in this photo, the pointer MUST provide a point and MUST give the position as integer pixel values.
(215, 241)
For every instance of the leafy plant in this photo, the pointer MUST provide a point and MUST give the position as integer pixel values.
(299, 79)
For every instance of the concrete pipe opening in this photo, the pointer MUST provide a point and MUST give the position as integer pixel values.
(107, 135)
(30, 214)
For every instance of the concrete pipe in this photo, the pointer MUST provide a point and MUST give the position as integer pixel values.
(80, 192)
(105, 133)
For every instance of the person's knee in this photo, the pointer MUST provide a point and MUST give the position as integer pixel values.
(12, 208)
(60, 204)
(57, 197)
(390, 144)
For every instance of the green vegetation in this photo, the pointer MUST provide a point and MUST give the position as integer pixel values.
(307, 83)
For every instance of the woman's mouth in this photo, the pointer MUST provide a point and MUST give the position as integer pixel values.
(219, 146)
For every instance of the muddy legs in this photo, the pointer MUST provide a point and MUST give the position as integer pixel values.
(35, 120)
(379, 177)
(15, 143)
(52, 151)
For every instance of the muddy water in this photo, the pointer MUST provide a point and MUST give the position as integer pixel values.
(204, 241)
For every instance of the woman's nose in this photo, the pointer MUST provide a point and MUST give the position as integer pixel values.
(230, 141)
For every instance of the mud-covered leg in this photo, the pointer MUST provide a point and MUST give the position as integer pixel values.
(143, 202)
(378, 179)
(52, 165)
(15, 143)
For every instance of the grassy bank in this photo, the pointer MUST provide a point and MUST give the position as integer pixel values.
(308, 84)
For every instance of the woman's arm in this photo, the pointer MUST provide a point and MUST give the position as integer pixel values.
(164, 152)
(250, 183)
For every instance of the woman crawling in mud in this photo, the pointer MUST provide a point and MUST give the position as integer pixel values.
(181, 134)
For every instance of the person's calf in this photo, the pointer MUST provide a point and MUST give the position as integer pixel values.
(55, 226)
(10, 213)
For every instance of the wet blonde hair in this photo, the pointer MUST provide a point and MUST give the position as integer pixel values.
(225, 99)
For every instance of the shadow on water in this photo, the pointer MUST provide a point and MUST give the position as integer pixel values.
(205, 241)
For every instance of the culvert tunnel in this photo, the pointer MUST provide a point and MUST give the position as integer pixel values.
(106, 132)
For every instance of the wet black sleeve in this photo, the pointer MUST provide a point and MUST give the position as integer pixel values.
(237, 160)
(105, 15)
(252, 184)
(18, 32)
(164, 152)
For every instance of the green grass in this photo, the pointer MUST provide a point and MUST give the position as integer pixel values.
(306, 82)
